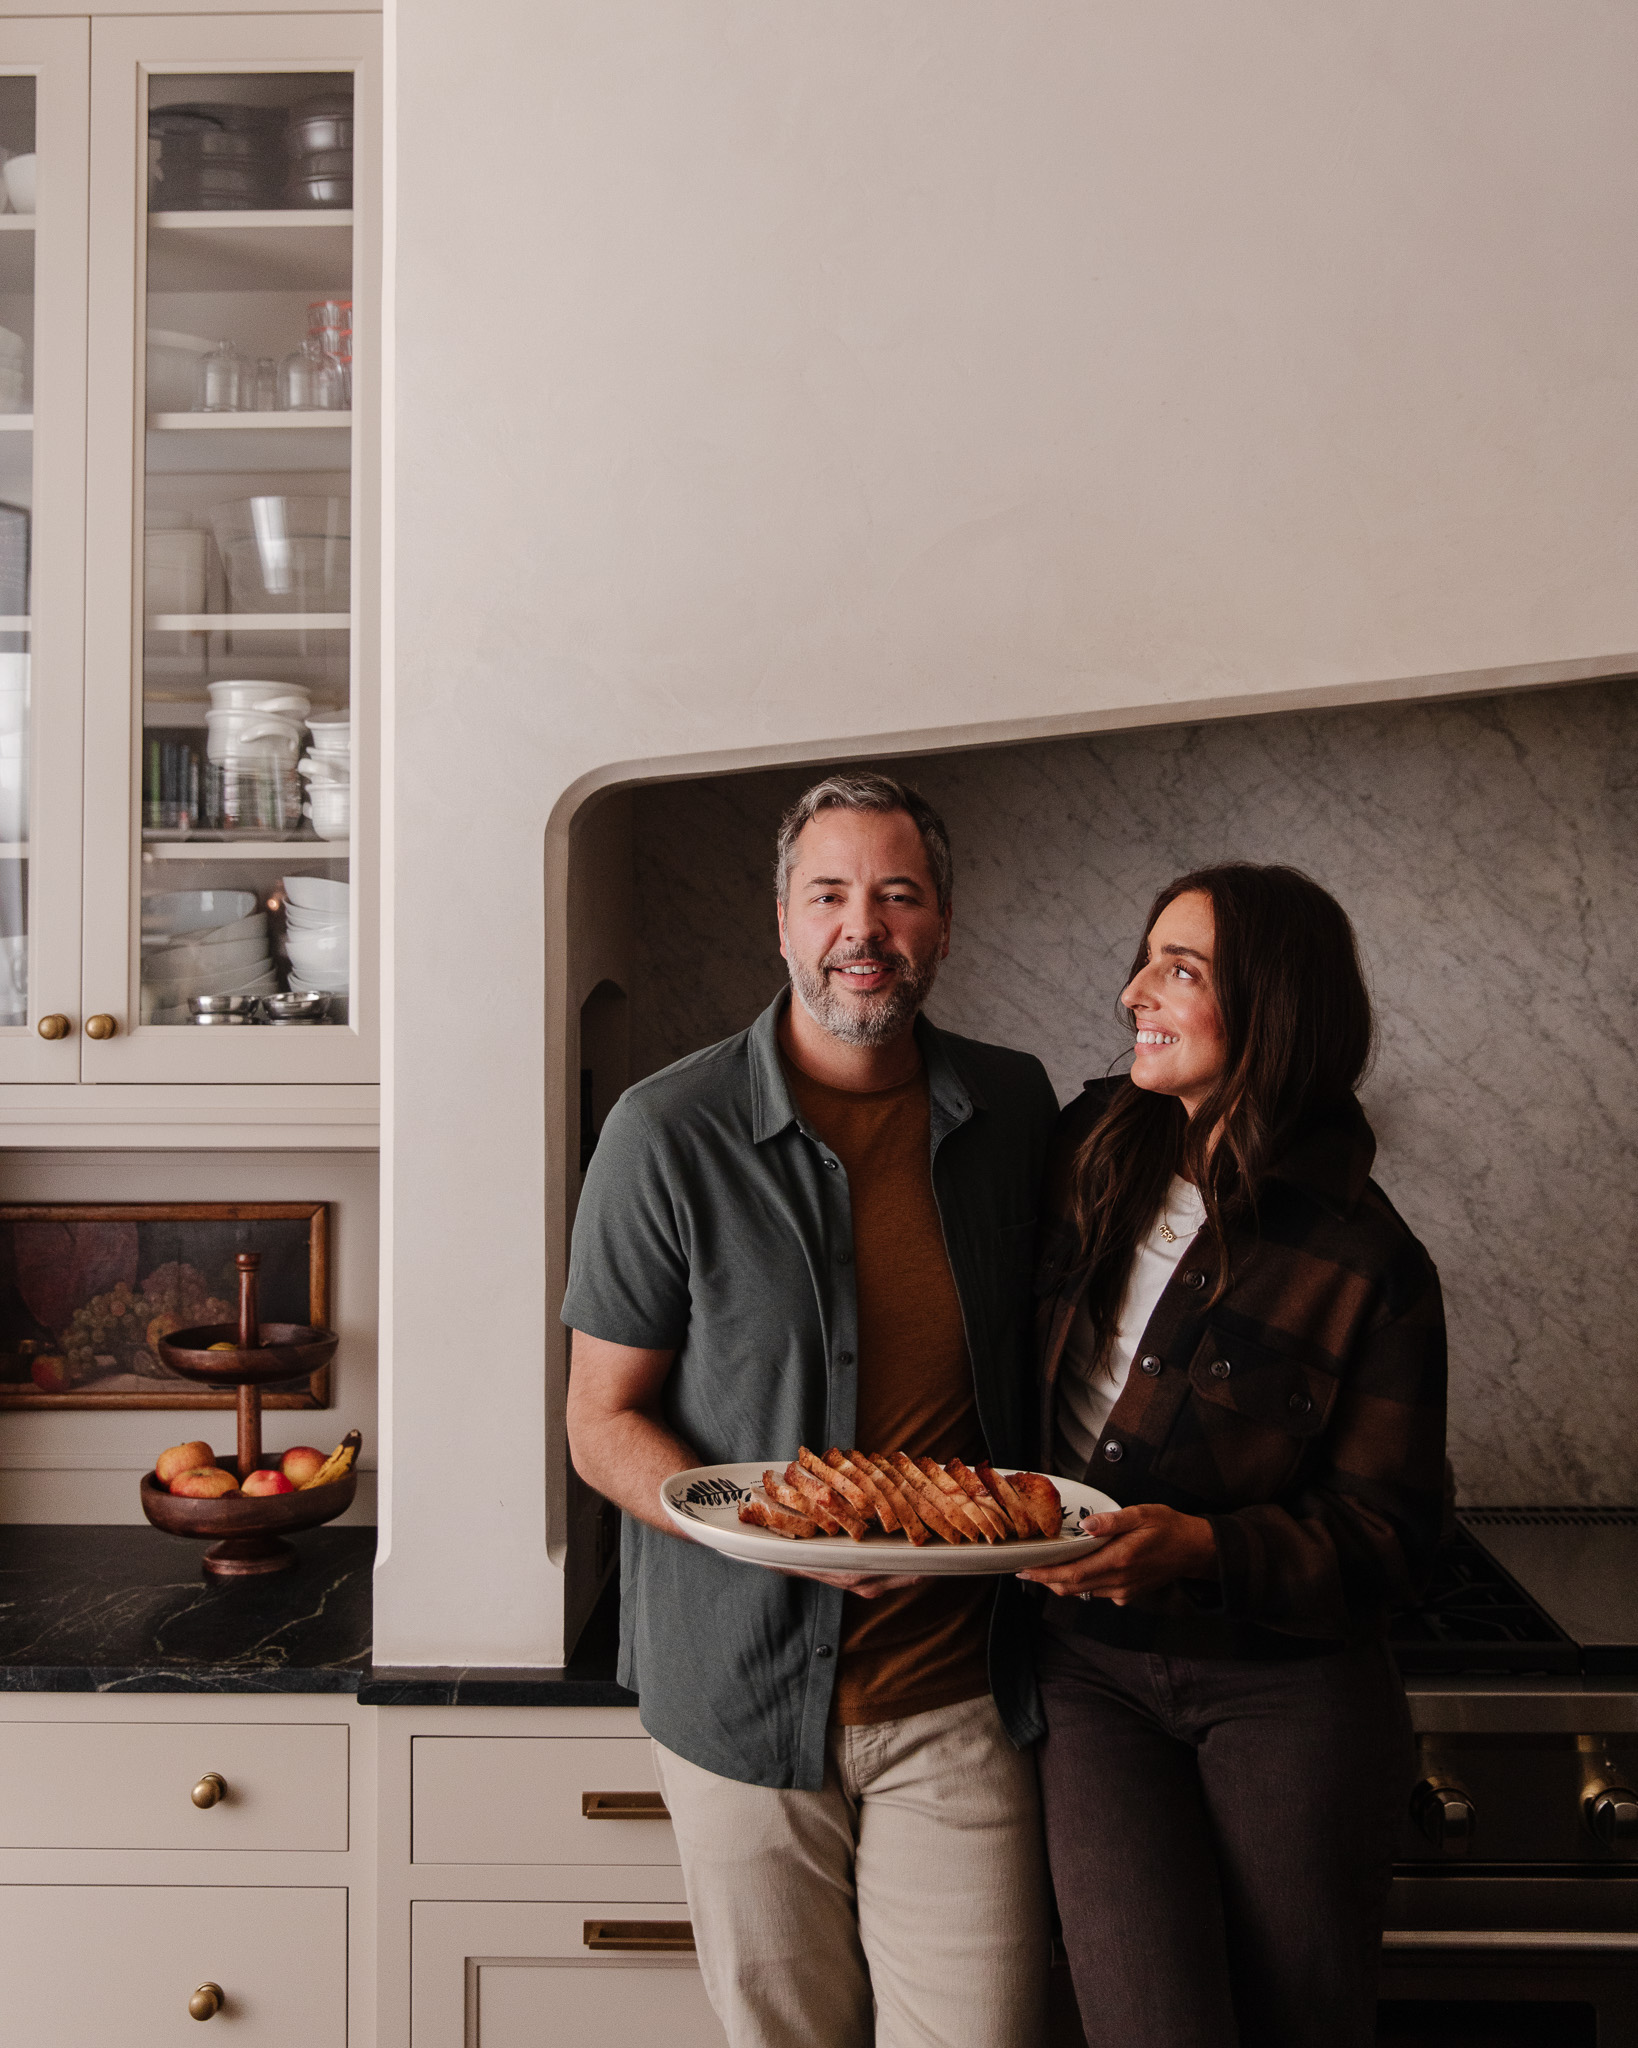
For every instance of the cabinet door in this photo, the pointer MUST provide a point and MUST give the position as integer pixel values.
(503, 1975)
(44, 144)
(233, 565)
(119, 1963)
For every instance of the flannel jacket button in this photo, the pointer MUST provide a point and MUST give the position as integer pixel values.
(824, 1650)
(1113, 1452)
(1194, 1279)
(830, 1165)
(844, 1258)
(844, 1358)
(1150, 1364)
(1299, 1404)
(1220, 1368)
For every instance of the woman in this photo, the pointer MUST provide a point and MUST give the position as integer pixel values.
(1244, 1345)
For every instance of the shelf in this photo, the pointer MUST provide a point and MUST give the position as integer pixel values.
(16, 422)
(18, 850)
(241, 622)
(15, 622)
(245, 849)
(195, 443)
(246, 422)
(251, 252)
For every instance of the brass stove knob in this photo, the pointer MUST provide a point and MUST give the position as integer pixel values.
(205, 2003)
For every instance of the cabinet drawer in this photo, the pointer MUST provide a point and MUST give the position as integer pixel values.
(119, 1963)
(89, 1785)
(504, 1975)
(524, 1799)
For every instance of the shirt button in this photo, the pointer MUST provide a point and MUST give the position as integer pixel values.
(824, 1650)
(844, 1258)
(831, 1165)
(844, 1358)
(1194, 1279)
(1299, 1404)
(1220, 1368)
(1113, 1452)
(1150, 1365)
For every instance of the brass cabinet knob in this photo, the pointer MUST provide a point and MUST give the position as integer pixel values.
(211, 1788)
(100, 1026)
(205, 2003)
(54, 1026)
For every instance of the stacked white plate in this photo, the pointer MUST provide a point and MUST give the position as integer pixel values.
(316, 934)
(203, 942)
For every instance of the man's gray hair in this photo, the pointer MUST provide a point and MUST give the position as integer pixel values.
(865, 792)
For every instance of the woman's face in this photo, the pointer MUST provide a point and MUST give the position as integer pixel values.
(1181, 1049)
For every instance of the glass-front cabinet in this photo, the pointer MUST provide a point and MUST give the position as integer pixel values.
(225, 775)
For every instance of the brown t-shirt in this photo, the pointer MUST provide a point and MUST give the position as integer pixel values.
(916, 1647)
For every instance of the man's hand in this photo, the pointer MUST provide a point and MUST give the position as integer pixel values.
(1148, 1547)
(868, 1585)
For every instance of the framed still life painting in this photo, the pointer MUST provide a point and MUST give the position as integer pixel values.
(87, 1290)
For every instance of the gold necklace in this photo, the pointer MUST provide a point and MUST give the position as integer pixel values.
(1167, 1232)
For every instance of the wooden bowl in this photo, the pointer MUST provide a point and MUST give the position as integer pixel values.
(248, 1531)
(287, 1351)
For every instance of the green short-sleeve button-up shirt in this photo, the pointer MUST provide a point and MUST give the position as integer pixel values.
(716, 1223)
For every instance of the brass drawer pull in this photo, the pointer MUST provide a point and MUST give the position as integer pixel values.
(210, 1791)
(640, 1937)
(206, 2002)
(622, 1806)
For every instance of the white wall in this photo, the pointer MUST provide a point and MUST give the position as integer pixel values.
(80, 1465)
(775, 382)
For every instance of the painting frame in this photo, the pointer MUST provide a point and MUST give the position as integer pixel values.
(319, 1390)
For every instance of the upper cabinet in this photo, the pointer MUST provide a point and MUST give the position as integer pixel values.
(188, 640)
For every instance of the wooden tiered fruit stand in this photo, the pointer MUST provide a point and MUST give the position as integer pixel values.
(247, 1532)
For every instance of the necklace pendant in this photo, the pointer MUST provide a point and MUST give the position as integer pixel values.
(1167, 1232)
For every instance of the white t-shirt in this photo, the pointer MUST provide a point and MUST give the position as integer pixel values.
(1088, 1389)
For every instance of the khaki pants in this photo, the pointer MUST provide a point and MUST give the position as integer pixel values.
(904, 1904)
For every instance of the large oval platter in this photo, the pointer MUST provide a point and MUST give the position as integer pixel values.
(705, 1504)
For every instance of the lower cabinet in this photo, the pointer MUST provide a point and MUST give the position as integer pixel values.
(118, 1964)
(495, 1974)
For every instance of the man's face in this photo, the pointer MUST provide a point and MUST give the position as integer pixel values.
(862, 931)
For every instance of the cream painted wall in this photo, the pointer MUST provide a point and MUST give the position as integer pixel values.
(778, 382)
(83, 1466)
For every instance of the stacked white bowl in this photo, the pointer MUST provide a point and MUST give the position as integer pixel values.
(253, 735)
(327, 768)
(316, 935)
(203, 942)
(13, 749)
(13, 372)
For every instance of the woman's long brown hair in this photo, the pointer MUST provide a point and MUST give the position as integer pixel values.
(1297, 1031)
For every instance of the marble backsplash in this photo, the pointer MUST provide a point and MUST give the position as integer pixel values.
(1487, 852)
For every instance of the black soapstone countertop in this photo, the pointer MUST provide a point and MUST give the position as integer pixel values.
(126, 1608)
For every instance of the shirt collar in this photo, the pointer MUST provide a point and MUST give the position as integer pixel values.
(1329, 1156)
(953, 1095)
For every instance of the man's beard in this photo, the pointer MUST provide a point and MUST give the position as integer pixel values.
(875, 1019)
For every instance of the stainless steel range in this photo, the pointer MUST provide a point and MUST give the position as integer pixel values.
(1514, 1916)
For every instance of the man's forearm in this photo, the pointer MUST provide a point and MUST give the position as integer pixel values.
(625, 1456)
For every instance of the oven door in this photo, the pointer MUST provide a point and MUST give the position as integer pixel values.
(1499, 1961)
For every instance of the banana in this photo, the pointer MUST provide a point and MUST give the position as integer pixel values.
(337, 1465)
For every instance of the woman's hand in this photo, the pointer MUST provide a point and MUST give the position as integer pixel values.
(1148, 1547)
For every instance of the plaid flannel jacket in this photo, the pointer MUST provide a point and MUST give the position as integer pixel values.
(1303, 1414)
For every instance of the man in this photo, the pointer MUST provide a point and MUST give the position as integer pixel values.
(821, 1231)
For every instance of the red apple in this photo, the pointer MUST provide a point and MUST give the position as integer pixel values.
(263, 1481)
(205, 1482)
(182, 1458)
(300, 1463)
(50, 1373)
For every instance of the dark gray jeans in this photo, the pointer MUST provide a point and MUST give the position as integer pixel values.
(1221, 1835)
